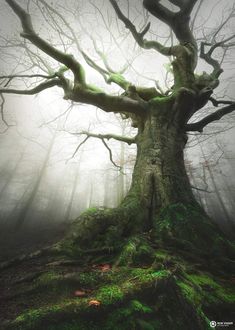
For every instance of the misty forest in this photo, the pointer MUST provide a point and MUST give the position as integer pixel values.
(117, 190)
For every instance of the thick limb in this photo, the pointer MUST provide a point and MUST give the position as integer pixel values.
(29, 33)
(41, 87)
(139, 36)
(215, 116)
(179, 22)
(80, 91)
(120, 138)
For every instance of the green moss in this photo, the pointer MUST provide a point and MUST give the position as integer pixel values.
(147, 275)
(218, 291)
(187, 227)
(131, 297)
(48, 278)
(140, 307)
(115, 290)
(159, 100)
(124, 304)
(91, 211)
(119, 80)
(110, 294)
(190, 293)
(161, 254)
(210, 298)
(203, 279)
(136, 251)
(128, 253)
(89, 278)
(131, 316)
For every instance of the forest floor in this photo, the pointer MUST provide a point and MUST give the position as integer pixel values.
(29, 239)
(16, 283)
(18, 244)
(164, 290)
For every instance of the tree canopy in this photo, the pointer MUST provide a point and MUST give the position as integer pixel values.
(182, 49)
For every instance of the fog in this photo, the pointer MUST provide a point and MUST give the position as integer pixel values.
(45, 181)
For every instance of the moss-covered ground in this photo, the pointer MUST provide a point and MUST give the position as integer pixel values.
(139, 283)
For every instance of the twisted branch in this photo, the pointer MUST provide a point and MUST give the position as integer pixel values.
(207, 56)
(102, 137)
(217, 115)
(39, 88)
(178, 22)
(139, 36)
(29, 34)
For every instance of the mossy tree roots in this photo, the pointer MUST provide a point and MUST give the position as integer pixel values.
(175, 274)
(166, 292)
(185, 228)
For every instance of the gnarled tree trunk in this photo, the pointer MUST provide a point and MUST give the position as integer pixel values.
(159, 176)
(160, 199)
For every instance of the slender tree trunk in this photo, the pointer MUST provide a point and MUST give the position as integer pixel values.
(72, 196)
(193, 180)
(23, 213)
(214, 184)
(106, 199)
(91, 193)
(12, 173)
(121, 176)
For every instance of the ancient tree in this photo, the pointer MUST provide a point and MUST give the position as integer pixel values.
(165, 265)
(160, 192)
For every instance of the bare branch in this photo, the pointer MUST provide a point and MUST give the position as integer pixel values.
(120, 138)
(30, 34)
(201, 189)
(41, 87)
(57, 117)
(195, 16)
(12, 76)
(110, 155)
(211, 61)
(220, 27)
(217, 115)
(216, 103)
(178, 22)
(80, 92)
(108, 74)
(207, 56)
(138, 36)
(2, 114)
(79, 146)
(100, 137)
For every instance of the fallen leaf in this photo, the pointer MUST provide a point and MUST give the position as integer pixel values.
(103, 267)
(79, 293)
(94, 303)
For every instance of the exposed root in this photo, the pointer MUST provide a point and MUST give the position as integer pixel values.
(156, 278)
(118, 234)
(169, 293)
(26, 257)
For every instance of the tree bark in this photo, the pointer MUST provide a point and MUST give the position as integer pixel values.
(159, 178)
